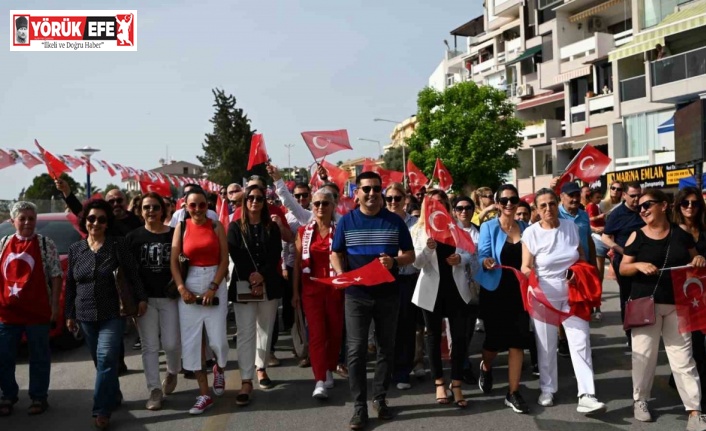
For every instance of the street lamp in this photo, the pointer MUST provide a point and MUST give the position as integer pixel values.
(404, 157)
(87, 153)
(373, 140)
(289, 159)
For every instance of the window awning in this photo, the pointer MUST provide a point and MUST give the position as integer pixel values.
(667, 126)
(686, 19)
(540, 100)
(529, 52)
(568, 76)
(594, 10)
(594, 136)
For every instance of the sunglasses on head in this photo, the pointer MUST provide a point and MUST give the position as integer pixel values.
(397, 198)
(648, 204)
(200, 205)
(115, 201)
(617, 189)
(324, 204)
(151, 208)
(686, 203)
(257, 199)
(301, 195)
(92, 219)
(375, 189)
(513, 200)
(462, 208)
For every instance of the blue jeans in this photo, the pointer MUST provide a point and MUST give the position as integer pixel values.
(103, 339)
(39, 359)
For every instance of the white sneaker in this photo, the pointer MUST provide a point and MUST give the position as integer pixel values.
(597, 316)
(328, 384)
(320, 392)
(404, 386)
(546, 399)
(419, 371)
(219, 381)
(589, 404)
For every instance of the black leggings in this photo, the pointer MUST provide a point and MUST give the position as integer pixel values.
(458, 323)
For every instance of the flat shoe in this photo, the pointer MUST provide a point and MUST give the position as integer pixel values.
(243, 399)
(37, 407)
(102, 422)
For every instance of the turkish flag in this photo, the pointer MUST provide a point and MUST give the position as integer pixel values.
(336, 175)
(55, 166)
(528, 198)
(588, 166)
(29, 159)
(441, 227)
(690, 298)
(103, 164)
(345, 205)
(442, 174)
(323, 143)
(417, 179)
(90, 167)
(258, 152)
(72, 161)
(6, 159)
(161, 189)
(222, 211)
(371, 274)
(387, 176)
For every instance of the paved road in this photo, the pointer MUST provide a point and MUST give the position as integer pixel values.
(289, 406)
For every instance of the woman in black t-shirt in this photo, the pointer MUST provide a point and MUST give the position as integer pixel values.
(660, 244)
(151, 246)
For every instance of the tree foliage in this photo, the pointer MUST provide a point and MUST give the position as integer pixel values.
(393, 159)
(471, 128)
(43, 187)
(226, 149)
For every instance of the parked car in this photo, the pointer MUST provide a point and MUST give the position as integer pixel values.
(63, 230)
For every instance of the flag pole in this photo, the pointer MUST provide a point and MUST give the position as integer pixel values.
(574, 159)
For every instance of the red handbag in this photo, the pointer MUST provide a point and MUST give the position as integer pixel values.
(641, 311)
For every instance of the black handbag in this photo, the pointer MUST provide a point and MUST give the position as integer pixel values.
(126, 293)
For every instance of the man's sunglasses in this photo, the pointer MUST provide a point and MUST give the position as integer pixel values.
(397, 198)
(462, 208)
(375, 189)
(92, 219)
(304, 195)
(115, 201)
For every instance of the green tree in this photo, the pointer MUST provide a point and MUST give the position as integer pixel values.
(43, 187)
(393, 159)
(226, 149)
(472, 129)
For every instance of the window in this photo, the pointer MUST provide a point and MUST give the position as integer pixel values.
(185, 171)
(643, 135)
(656, 10)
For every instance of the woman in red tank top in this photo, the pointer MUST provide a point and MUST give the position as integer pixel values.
(323, 305)
(205, 246)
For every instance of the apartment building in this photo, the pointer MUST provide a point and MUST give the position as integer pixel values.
(586, 72)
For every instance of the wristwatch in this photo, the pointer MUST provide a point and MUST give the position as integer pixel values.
(213, 286)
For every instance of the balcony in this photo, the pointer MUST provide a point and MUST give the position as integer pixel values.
(623, 37)
(453, 53)
(507, 8)
(532, 184)
(589, 49)
(678, 67)
(632, 88)
(541, 132)
(484, 66)
(513, 48)
(600, 103)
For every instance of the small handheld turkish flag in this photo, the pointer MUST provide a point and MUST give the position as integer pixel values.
(441, 227)
(222, 211)
(161, 189)
(371, 274)
(417, 179)
(588, 166)
(258, 152)
(336, 175)
(442, 174)
(323, 143)
(690, 298)
(55, 166)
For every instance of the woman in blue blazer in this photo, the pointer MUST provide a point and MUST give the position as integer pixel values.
(507, 324)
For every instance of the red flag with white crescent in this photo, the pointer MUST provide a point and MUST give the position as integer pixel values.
(161, 189)
(371, 274)
(90, 168)
(258, 151)
(103, 164)
(387, 176)
(588, 166)
(442, 174)
(222, 211)
(336, 175)
(55, 166)
(690, 298)
(323, 143)
(345, 205)
(417, 179)
(72, 161)
(29, 159)
(441, 227)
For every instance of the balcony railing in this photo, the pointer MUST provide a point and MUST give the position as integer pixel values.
(511, 90)
(483, 67)
(598, 43)
(600, 103)
(453, 53)
(543, 4)
(623, 37)
(677, 67)
(632, 88)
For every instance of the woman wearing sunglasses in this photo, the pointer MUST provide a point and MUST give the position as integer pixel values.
(323, 305)
(92, 300)
(550, 247)
(507, 324)
(688, 213)
(151, 246)
(204, 243)
(660, 244)
(442, 291)
(255, 245)
(409, 314)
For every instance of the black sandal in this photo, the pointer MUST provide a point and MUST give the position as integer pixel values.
(444, 400)
(243, 399)
(7, 406)
(461, 403)
(265, 382)
(37, 407)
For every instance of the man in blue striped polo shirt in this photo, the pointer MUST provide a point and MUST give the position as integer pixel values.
(371, 232)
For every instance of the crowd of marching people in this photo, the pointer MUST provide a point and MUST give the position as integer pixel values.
(401, 275)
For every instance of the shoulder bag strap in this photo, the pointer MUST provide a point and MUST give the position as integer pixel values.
(664, 265)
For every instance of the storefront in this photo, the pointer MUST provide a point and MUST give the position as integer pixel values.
(665, 176)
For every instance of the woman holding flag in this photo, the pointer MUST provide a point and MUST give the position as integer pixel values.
(323, 304)
(442, 291)
(550, 248)
(507, 324)
(650, 253)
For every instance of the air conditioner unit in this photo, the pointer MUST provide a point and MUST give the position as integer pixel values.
(523, 91)
(595, 24)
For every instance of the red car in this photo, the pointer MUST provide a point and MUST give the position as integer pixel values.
(62, 229)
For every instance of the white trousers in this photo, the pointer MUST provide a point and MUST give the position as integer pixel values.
(578, 337)
(160, 323)
(193, 318)
(255, 321)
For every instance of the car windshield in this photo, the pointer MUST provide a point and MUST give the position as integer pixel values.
(62, 232)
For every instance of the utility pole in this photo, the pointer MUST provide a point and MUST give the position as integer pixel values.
(289, 159)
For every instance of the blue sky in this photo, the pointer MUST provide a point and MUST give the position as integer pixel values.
(293, 65)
